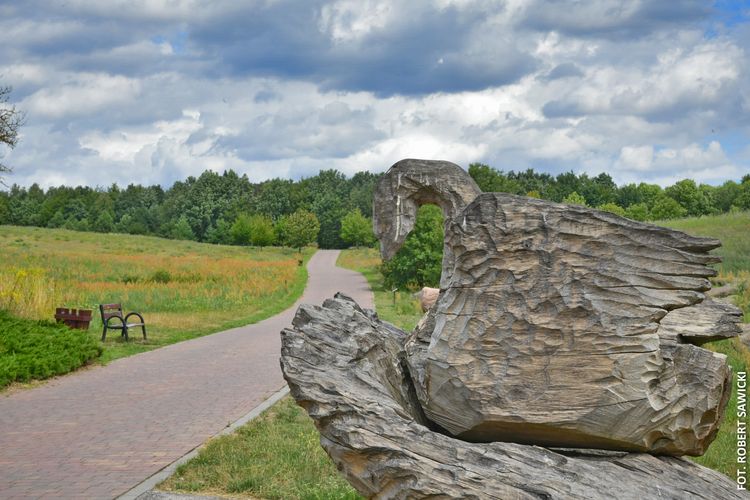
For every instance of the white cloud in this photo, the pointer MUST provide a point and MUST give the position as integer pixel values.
(639, 158)
(158, 90)
(82, 94)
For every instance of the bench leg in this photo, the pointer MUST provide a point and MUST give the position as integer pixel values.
(125, 333)
(104, 333)
(143, 327)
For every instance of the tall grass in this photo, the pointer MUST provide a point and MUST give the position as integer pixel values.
(28, 292)
(276, 456)
(184, 289)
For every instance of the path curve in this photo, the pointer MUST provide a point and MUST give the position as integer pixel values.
(99, 432)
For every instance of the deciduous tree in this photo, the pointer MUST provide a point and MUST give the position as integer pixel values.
(356, 229)
(11, 120)
(299, 229)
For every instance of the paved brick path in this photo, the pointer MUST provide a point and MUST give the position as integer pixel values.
(97, 433)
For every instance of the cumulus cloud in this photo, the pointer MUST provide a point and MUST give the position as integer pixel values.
(155, 90)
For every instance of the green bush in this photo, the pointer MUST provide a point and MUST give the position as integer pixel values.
(41, 349)
(418, 262)
(666, 208)
(575, 199)
(637, 211)
(612, 208)
(356, 229)
(161, 276)
(298, 230)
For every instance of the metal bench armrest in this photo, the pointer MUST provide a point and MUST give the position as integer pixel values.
(143, 322)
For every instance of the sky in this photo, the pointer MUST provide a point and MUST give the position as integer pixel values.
(152, 91)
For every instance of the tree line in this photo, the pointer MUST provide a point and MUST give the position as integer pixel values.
(216, 208)
(229, 209)
(643, 201)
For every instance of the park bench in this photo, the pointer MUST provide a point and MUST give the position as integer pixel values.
(114, 312)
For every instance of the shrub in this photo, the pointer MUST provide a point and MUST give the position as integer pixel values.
(575, 199)
(667, 208)
(637, 211)
(241, 230)
(262, 232)
(299, 229)
(418, 262)
(612, 208)
(356, 229)
(182, 230)
(161, 276)
(41, 349)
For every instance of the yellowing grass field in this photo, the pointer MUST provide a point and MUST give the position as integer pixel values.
(184, 289)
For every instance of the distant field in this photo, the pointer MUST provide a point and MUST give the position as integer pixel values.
(184, 289)
(734, 232)
(732, 229)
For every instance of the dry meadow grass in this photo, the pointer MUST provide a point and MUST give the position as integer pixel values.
(184, 289)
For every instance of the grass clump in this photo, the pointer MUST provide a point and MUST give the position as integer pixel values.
(276, 456)
(41, 349)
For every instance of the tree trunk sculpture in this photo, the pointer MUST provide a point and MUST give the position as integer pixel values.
(556, 326)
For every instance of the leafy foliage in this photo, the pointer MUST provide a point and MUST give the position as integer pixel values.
(11, 120)
(637, 211)
(613, 208)
(262, 232)
(41, 349)
(356, 229)
(181, 230)
(667, 208)
(299, 229)
(209, 205)
(575, 199)
(418, 262)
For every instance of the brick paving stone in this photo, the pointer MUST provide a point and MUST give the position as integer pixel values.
(99, 432)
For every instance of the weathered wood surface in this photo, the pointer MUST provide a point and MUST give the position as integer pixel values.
(559, 324)
(348, 370)
(410, 184)
(548, 331)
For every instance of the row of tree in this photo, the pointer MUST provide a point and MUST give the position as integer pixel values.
(641, 201)
(216, 208)
(228, 208)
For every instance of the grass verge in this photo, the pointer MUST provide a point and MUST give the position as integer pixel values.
(276, 456)
(38, 350)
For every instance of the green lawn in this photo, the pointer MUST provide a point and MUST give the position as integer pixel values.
(276, 456)
(732, 229)
(734, 232)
